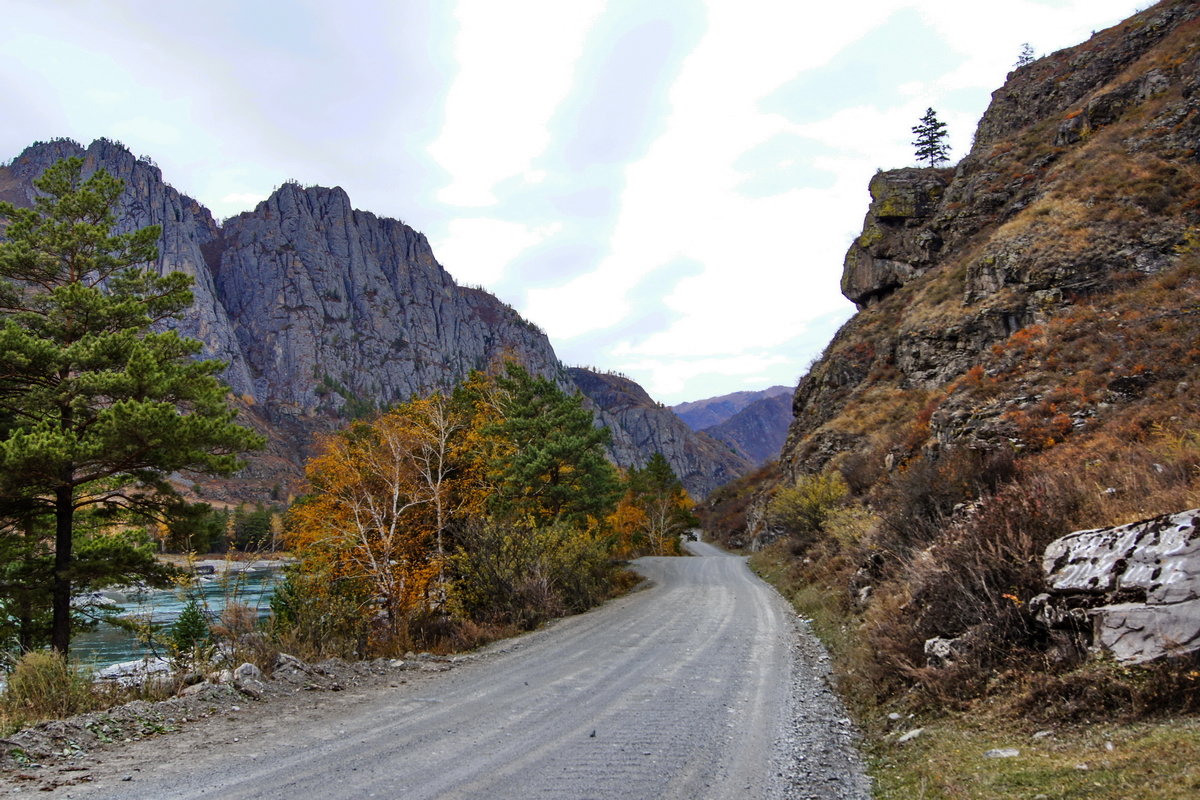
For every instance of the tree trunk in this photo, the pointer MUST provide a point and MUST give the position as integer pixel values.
(64, 518)
(24, 594)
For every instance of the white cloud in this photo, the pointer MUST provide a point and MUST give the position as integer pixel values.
(765, 266)
(243, 199)
(672, 378)
(477, 250)
(147, 131)
(516, 63)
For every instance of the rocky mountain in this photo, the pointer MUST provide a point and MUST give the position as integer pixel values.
(1017, 386)
(323, 311)
(1082, 181)
(702, 414)
(188, 228)
(642, 427)
(758, 431)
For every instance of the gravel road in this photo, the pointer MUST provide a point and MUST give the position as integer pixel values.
(701, 686)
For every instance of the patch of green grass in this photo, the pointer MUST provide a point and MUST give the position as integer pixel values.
(1147, 761)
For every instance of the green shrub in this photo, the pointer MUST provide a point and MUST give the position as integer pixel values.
(314, 616)
(190, 629)
(803, 509)
(523, 575)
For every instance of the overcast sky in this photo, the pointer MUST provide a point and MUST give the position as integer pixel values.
(667, 187)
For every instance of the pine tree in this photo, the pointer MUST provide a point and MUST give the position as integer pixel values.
(931, 139)
(99, 404)
(667, 507)
(1026, 56)
(554, 466)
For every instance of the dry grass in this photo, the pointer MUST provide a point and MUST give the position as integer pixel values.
(1145, 761)
(43, 685)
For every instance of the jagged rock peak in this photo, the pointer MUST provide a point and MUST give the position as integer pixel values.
(334, 306)
(188, 228)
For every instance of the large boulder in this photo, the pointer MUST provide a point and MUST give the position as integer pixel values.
(1139, 583)
(897, 243)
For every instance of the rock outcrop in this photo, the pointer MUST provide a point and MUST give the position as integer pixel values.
(1137, 584)
(896, 244)
(323, 312)
(1080, 180)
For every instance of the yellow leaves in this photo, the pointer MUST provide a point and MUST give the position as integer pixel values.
(628, 522)
(379, 507)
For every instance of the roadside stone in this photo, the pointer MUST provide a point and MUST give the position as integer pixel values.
(941, 652)
(908, 737)
(248, 672)
(1002, 752)
(134, 673)
(1147, 577)
(195, 689)
(256, 690)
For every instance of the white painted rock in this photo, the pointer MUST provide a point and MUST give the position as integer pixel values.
(1149, 572)
(1160, 555)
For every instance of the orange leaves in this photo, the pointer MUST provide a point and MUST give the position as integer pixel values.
(381, 503)
(628, 522)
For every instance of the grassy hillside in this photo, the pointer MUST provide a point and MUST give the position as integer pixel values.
(1024, 364)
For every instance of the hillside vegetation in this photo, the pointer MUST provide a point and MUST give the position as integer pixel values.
(1023, 365)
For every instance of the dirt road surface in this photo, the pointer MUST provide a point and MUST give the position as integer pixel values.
(701, 686)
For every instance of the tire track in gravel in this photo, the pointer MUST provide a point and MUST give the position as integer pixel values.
(691, 688)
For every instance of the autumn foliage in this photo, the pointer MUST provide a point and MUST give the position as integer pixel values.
(492, 505)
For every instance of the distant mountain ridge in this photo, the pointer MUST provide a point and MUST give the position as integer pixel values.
(323, 311)
(752, 424)
(701, 414)
(758, 431)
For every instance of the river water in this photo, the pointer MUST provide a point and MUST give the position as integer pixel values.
(109, 644)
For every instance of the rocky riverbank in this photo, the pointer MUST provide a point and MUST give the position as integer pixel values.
(63, 753)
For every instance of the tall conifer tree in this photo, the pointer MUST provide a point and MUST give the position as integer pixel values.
(98, 403)
(931, 139)
(554, 467)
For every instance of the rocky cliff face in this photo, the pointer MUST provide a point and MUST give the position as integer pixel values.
(1082, 179)
(323, 311)
(642, 427)
(188, 228)
(336, 307)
